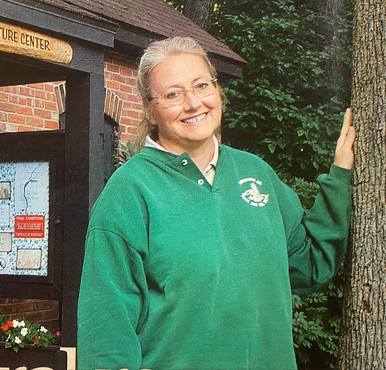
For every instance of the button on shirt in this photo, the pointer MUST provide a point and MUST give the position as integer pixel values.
(209, 171)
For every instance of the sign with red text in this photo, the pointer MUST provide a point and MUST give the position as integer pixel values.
(18, 40)
(29, 226)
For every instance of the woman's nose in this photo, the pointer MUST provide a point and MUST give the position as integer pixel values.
(191, 101)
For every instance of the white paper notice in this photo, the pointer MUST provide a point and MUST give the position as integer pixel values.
(29, 259)
(5, 242)
(4, 215)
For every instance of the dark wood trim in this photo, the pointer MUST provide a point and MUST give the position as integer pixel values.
(54, 19)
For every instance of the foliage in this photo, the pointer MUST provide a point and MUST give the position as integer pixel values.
(288, 106)
(316, 322)
(17, 334)
(123, 153)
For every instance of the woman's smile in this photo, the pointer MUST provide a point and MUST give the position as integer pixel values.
(194, 120)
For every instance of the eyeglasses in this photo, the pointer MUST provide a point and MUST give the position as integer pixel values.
(176, 97)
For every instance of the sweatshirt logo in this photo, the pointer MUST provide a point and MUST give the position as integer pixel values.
(252, 196)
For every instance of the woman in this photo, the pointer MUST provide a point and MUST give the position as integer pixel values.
(193, 248)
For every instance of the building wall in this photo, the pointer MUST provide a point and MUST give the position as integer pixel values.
(28, 108)
(36, 107)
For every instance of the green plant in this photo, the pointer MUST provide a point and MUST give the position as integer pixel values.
(123, 153)
(288, 106)
(16, 334)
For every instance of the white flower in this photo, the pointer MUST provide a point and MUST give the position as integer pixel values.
(24, 332)
(43, 329)
(15, 323)
(17, 340)
(22, 323)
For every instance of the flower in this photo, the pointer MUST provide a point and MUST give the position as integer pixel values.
(18, 333)
(17, 340)
(7, 326)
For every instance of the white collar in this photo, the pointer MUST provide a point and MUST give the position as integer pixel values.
(150, 143)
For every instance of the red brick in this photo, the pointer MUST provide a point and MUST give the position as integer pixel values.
(4, 96)
(38, 316)
(3, 116)
(20, 109)
(108, 76)
(119, 78)
(127, 72)
(24, 307)
(33, 121)
(39, 86)
(132, 98)
(37, 103)
(112, 85)
(6, 107)
(41, 95)
(125, 137)
(14, 99)
(10, 89)
(137, 106)
(26, 91)
(51, 125)
(132, 114)
(22, 101)
(25, 129)
(112, 68)
(131, 81)
(126, 88)
(50, 106)
(16, 118)
(42, 113)
(131, 129)
(44, 305)
(49, 87)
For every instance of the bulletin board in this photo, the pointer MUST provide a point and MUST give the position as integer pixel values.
(24, 217)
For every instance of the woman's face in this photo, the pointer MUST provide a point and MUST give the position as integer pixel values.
(190, 125)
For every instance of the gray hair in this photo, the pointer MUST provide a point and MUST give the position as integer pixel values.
(155, 54)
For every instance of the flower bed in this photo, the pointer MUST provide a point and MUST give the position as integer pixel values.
(16, 334)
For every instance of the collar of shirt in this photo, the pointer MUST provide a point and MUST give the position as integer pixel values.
(209, 171)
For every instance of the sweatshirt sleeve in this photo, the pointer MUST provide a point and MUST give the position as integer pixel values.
(112, 298)
(317, 244)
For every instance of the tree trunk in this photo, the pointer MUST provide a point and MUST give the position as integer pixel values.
(363, 332)
(200, 12)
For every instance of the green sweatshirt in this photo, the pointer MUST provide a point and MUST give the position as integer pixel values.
(179, 274)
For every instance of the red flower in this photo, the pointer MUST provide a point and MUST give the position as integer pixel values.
(36, 339)
(7, 325)
(58, 333)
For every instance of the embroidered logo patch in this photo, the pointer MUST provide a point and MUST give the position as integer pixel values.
(252, 196)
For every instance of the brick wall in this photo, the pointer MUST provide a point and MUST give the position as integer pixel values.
(44, 312)
(28, 108)
(120, 76)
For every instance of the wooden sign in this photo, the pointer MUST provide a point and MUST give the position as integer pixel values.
(18, 40)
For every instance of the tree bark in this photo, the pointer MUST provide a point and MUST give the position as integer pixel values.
(363, 332)
(200, 12)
